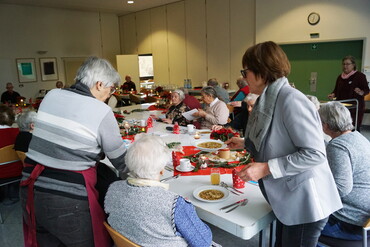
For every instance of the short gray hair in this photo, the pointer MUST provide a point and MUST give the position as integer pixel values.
(314, 100)
(212, 82)
(96, 69)
(242, 82)
(336, 116)
(25, 120)
(147, 157)
(210, 91)
(251, 97)
(180, 93)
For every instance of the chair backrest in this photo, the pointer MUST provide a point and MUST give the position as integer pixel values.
(150, 99)
(135, 99)
(8, 155)
(112, 102)
(21, 155)
(118, 239)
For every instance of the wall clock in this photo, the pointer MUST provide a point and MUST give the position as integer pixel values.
(313, 18)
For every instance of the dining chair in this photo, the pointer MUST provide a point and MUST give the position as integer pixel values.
(336, 242)
(135, 99)
(10, 168)
(231, 111)
(118, 239)
(150, 99)
(112, 102)
(21, 155)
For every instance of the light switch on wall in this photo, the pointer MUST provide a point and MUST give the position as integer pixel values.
(313, 81)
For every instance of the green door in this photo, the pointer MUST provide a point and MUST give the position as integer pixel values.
(325, 59)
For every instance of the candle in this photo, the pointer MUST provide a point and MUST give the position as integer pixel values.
(197, 136)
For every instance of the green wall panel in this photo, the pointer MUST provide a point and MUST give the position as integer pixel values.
(324, 58)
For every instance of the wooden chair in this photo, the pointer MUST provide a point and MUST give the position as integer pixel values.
(135, 99)
(151, 99)
(231, 111)
(336, 242)
(118, 239)
(8, 156)
(21, 155)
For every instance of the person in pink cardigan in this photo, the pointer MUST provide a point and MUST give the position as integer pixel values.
(215, 111)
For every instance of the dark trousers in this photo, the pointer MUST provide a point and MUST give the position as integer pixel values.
(60, 221)
(303, 235)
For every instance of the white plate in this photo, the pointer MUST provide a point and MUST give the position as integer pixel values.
(223, 145)
(211, 187)
(180, 170)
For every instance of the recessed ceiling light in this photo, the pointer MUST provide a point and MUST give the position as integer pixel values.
(130, 2)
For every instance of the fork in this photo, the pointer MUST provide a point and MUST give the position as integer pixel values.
(231, 189)
(238, 205)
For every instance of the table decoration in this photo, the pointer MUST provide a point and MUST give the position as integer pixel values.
(224, 134)
(149, 122)
(195, 158)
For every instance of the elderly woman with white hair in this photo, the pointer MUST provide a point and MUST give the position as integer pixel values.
(72, 129)
(143, 209)
(174, 113)
(26, 124)
(348, 154)
(215, 111)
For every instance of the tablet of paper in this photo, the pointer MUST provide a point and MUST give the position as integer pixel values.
(189, 114)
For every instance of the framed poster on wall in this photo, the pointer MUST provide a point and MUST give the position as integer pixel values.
(26, 69)
(49, 69)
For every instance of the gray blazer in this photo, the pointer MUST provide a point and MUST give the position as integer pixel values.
(301, 188)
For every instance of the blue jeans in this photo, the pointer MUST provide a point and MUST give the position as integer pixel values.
(61, 221)
(303, 235)
(342, 230)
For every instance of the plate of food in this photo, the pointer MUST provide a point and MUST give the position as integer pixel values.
(209, 145)
(211, 193)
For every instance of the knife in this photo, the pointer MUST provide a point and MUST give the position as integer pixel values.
(233, 204)
(169, 178)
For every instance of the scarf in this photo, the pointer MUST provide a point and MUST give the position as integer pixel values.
(346, 76)
(146, 182)
(260, 120)
(80, 88)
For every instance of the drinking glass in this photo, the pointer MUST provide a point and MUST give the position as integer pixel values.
(215, 176)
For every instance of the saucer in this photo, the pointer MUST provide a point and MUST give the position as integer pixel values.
(187, 170)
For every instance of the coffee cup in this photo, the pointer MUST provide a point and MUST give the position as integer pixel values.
(185, 164)
(191, 128)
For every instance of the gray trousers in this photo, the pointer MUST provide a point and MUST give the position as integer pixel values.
(60, 221)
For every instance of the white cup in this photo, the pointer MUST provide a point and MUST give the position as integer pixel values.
(185, 164)
(191, 128)
(142, 123)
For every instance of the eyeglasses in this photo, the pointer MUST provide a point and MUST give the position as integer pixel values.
(244, 72)
(112, 89)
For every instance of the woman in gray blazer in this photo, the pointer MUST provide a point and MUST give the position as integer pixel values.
(284, 135)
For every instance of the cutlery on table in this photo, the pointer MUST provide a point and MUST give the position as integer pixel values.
(231, 189)
(235, 203)
(169, 178)
(168, 168)
(238, 205)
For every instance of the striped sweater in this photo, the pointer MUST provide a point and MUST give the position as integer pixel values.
(72, 130)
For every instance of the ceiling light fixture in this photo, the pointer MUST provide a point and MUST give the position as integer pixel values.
(130, 2)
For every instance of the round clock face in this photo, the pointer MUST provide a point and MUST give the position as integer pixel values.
(313, 18)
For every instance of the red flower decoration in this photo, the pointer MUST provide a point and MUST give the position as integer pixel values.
(223, 134)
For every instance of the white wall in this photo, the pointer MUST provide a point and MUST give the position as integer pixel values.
(286, 21)
(25, 30)
(192, 39)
